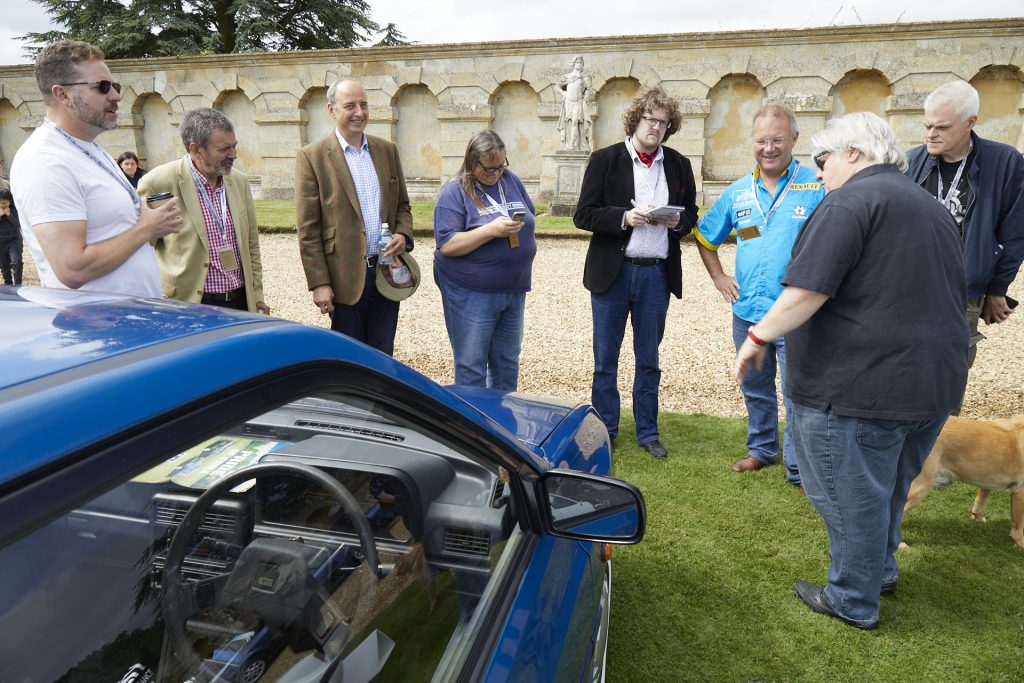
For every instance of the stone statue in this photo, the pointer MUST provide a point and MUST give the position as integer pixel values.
(574, 118)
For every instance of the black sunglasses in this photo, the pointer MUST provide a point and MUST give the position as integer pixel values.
(103, 86)
(819, 160)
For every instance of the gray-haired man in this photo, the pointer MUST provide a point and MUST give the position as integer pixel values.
(981, 183)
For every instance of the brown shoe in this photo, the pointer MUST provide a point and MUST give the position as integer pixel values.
(747, 464)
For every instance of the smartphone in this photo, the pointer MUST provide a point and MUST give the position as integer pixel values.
(519, 216)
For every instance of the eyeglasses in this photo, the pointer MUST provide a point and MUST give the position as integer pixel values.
(656, 123)
(765, 142)
(103, 86)
(819, 160)
(494, 169)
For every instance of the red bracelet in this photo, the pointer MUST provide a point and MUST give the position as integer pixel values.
(754, 338)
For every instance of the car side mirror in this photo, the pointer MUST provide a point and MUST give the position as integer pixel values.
(593, 508)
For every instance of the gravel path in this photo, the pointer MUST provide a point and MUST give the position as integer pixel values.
(696, 355)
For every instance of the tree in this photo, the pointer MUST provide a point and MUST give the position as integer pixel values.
(392, 37)
(163, 28)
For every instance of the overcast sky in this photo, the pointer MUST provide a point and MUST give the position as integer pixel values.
(459, 21)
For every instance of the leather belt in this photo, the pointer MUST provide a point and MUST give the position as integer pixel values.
(641, 261)
(233, 295)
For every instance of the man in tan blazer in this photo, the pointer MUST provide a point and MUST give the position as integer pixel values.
(215, 259)
(346, 185)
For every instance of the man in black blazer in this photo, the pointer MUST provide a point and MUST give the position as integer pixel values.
(634, 260)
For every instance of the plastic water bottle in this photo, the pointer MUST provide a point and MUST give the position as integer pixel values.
(382, 243)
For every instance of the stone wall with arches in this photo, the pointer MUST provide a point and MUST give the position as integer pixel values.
(429, 99)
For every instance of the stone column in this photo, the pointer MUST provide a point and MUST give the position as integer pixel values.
(278, 139)
(811, 114)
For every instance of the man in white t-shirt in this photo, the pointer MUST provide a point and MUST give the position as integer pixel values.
(85, 225)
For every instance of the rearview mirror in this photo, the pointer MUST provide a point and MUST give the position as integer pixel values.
(592, 508)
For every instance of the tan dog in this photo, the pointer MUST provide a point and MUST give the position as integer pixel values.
(988, 454)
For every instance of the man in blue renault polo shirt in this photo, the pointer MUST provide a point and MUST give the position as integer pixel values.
(767, 208)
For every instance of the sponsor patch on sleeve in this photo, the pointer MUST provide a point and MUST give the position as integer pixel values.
(805, 186)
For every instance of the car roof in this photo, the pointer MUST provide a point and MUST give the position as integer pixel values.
(46, 331)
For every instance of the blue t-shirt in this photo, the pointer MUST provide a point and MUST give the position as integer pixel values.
(494, 266)
(761, 261)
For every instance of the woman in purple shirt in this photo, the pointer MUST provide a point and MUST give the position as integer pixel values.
(484, 230)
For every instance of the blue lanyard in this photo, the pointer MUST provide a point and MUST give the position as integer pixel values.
(776, 203)
(117, 175)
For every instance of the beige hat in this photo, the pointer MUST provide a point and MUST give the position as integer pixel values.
(386, 284)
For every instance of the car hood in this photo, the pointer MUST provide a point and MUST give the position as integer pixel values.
(531, 419)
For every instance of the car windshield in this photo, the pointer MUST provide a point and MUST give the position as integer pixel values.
(363, 538)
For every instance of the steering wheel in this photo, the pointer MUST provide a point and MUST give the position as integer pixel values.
(272, 578)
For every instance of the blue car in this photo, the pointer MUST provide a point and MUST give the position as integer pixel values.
(194, 494)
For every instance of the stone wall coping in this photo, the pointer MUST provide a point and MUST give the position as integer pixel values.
(592, 44)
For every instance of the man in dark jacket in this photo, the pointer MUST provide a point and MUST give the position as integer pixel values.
(981, 183)
(633, 262)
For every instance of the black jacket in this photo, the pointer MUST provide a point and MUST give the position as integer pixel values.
(994, 226)
(604, 200)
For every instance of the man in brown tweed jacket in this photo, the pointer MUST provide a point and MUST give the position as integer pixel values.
(347, 185)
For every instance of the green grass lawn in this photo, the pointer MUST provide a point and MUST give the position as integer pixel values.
(278, 215)
(707, 595)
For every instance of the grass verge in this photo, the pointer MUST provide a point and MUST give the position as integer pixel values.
(707, 595)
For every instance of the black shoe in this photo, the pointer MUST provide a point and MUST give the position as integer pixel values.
(655, 449)
(888, 588)
(812, 596)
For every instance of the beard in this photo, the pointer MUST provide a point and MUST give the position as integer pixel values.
(91, 116)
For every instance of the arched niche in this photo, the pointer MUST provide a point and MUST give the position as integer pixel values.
(612, 101)
(319, 123)
(734, 101)
(11, 134)
(516, 121)
(156, 141)
(236, 106)
(860, 90)
(1000, 89)
(418, 132)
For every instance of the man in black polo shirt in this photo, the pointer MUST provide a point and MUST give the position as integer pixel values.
(873, 318)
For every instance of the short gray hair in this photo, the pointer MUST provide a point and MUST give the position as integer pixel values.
(865, 132)
(331, 91)
(777, 110)
(199, 124)
(960, 95)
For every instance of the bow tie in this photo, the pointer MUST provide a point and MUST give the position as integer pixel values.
(648, 159)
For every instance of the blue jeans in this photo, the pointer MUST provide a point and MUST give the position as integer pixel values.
(640, 292)
(857, 473)
(763, 404)
(486, 333)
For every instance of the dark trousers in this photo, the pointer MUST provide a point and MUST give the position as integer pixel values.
(372, 320)
(237, 302)
(10, 260)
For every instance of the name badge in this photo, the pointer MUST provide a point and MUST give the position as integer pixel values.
(227, 259)
(749, 233)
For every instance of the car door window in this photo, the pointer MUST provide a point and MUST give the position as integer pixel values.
(272, 575)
